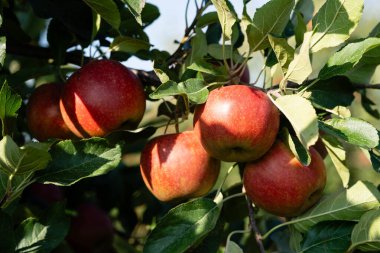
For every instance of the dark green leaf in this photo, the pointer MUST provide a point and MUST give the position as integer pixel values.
(328, 94)
(207, 19)
(344, 60)
(7, 237)
(195, 89)
(45, 234)
(369, 106)
(59, 39)
(300, 28)
(183, 227)
(169, 88)
(375, 160)
(198, 45)
(208, 68)
(328, 237)
(334, 23)
(75, 160)
(107, 9)
(296, 147)
(352, 130)
(271, 18)
(10, 102)
(129, 45)
(136, 7)
(375, 31)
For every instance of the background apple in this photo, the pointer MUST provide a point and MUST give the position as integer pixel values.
(101, 97)
(238, 123)
(176, 166)
(280, 184)
(43, 114)
(91, 230)
(44, 194)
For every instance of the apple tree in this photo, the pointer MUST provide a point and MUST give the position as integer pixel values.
(200, 153)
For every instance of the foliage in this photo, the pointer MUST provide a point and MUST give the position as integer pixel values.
(318, 97)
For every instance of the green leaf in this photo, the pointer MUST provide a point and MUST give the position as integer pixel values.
(7, 237)
(296, 147)
(10, 102)
(227, 17)
(75, 160)
(29, 158)
(208, 68)
(344, 60)
(338, 156)
(198, 45)
(3, 47)
(328, 94)
(366, 234)
(207, 19)
(183, 227)
(328, 237)
(136, 7)
(352, 130)
(34, 235)
(334, 23)
(349, 204)
(305, 127)
(300, 28)
(375, 160)
(128, 45)
(169, 88)
(233, 247)
(300, 67)
(271, 18)
(295, 239)
(107, 9)
(195, 89)
(283, 51)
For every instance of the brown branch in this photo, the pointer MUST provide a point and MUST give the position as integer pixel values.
(254, 227)
(367, 86)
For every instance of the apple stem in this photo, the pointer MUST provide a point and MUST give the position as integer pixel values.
(254, 227)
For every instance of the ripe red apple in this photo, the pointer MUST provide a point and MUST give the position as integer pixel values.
(91, 230)
(101, 97)
(43, 115)
(238, 123)
(176, 166)
(280, 184)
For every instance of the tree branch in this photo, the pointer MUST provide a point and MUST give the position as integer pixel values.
(147, 78)
(254, 227)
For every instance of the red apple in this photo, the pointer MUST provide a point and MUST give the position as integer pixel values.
(175, 166)
(45, 193)
(238, 123)
(91, 230)
(101, 97)
(280, 184)
(43, 115)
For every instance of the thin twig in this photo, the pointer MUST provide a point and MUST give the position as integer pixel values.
(254, 227)
(367, 86)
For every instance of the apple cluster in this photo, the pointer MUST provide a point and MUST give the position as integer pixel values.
(99, 98)
(238, 123)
